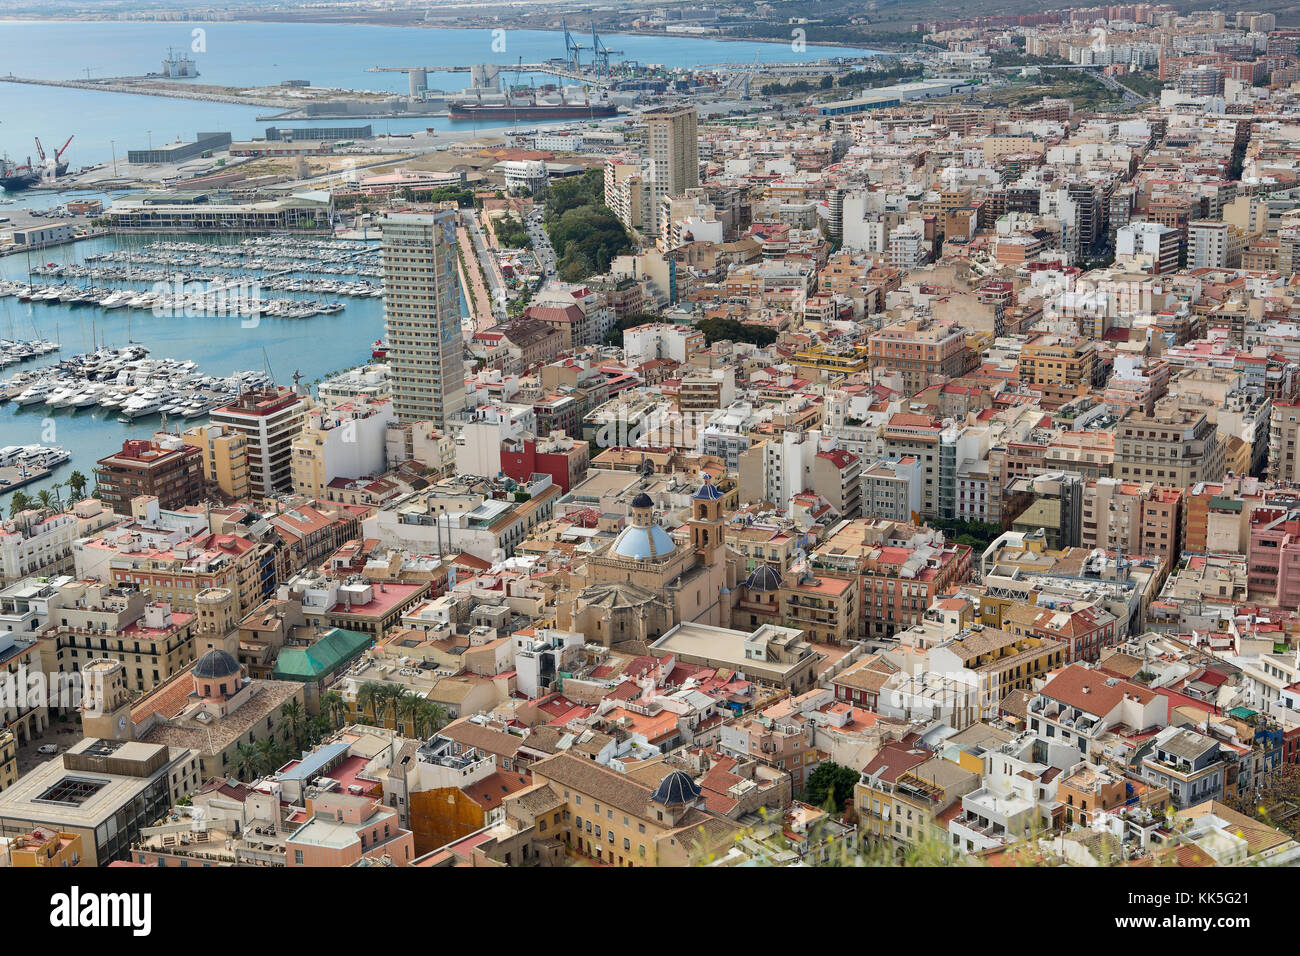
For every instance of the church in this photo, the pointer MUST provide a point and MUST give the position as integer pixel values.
(644, 582)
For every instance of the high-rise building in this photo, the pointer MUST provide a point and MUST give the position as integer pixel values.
(422, 316)
(225, 458)
(270, 421)
(672, 142)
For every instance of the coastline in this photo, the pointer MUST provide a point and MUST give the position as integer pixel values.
(290, 21)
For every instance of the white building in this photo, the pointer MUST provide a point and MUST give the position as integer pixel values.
(344, 442)
(270, 420)
(32, 544)
(660, 341)
(524, 175)
(478, 442)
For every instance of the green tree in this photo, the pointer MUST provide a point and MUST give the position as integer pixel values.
(292, 711)
(19, 502)
(247, 762)
(434, 716)
(397, 702)
(269, 755)
(77, 484)
(46, 499)
(370, 697)
(831, 782)
(718, 329)
(334, 707)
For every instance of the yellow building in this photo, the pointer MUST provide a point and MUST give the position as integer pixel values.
(47, 847)
(833, 365)
(903, 791)
(225, 458)
(308, 463)
(1058, 360)
(579, 808)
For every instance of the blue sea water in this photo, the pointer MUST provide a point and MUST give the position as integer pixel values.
(257, 54)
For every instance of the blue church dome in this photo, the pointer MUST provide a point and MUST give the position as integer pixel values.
(642, 543)
(707, 491)
(675, 789)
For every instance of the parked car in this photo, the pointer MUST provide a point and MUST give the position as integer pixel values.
(47, 749)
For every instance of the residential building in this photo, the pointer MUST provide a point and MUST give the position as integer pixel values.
(422, 316)
(165, 467)
(269, 422)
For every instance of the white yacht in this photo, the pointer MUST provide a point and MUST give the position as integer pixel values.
(88, 397)
(62, 396)
(140, 405)
(37, 393)
(55, 455)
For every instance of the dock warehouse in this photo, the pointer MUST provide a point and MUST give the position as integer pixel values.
(180, 150)
(887, 96)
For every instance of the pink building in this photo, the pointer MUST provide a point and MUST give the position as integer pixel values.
(342, 827)
(1274, 558)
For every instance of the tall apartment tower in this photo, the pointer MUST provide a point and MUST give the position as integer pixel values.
(672, 141)
(422, 316)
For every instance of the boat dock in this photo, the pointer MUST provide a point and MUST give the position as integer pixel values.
(16, 476)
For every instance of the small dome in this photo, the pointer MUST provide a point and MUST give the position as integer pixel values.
(643, 501)
(641, 543)
(707, 491)
(216, 664)
(763, 578)
(676, 789)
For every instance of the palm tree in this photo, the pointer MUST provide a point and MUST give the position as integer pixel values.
(370, 696)
(333, 706)
(409, 705)
(269, 755)
(246, 762)
(77, 484)
(318, 728)
(19, 502)
(435, 715)
(291, 710)
(45, 499)
(394, 697)
(57, 489)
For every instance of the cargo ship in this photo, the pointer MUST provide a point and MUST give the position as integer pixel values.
(529, 106)
(15, 178)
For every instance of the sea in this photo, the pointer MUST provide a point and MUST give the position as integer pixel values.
(264, 54)
(105, 125)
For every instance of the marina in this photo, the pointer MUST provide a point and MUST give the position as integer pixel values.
(221, 345)
(127, 381)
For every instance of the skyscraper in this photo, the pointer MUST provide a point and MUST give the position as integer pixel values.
(422, 316)
(672, 142)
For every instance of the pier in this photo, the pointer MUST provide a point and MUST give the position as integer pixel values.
(13, 477)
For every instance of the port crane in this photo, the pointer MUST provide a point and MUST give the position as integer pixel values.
(600, 53)
(572, 48)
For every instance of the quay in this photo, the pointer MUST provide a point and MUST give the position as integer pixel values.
(13, 477)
